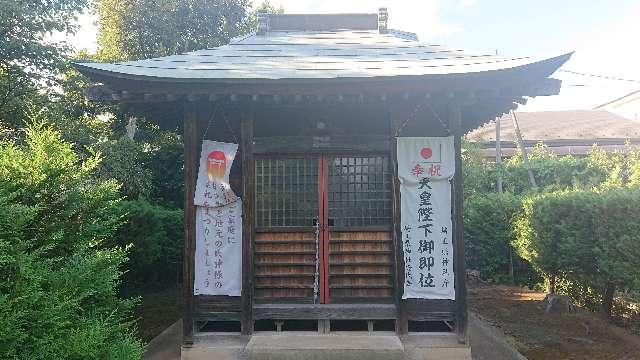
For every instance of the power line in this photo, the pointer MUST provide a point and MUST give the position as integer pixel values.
(600, 76)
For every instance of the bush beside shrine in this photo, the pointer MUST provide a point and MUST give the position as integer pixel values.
(488, 233)
(586, 243)
(59, 284)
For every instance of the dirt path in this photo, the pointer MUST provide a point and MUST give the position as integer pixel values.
(540, 336)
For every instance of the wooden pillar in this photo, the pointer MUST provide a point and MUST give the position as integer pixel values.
(191, 146)
(248, 201)
(402, 322)
(455, 124)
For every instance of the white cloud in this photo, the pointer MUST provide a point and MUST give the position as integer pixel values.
(466, 3)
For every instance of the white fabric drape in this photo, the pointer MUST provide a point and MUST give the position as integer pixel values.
(425, 168)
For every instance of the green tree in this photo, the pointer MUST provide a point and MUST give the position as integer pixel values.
(59, 284)
(555, 234)
(587, 239)
(488, 234)
(617, 245)
(267, 7)
(28, 59)
(137, 29)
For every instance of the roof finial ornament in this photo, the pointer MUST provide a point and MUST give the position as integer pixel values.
(383, 16)
(263, 23)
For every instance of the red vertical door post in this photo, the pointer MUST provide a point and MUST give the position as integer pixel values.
(323, 215)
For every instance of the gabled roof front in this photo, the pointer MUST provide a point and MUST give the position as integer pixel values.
(288, 50)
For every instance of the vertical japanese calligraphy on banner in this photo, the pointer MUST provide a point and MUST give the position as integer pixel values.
(426, 166)
(218, 255)
(218, 250)
(212, 187)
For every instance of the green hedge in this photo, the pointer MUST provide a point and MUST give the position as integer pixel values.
(156, 235)
(586, 239)
(488, 233)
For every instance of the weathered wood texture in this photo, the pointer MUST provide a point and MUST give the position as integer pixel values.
(402, 323)
(191, 148)
(360, 266)
(324, 311)
(284, 266)
(455, 123)
(430, 310)
(248, 222)
(217, 308)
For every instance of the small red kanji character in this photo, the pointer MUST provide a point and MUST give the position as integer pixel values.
(417, 170)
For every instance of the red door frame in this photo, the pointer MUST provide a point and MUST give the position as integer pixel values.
(323, 216)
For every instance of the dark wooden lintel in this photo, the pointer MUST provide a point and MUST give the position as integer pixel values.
(218, 316)
(324, 311)
(394, 91)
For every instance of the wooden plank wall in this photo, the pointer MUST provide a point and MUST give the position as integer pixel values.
(284, 267)
(361, 267)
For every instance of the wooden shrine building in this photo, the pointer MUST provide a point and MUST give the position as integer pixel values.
(317, 104)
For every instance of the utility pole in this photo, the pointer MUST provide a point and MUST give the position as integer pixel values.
(525, 158)
(499, 186)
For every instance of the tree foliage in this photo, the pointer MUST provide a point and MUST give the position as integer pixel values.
(155, 233)
(28, 58)
(137, 29)
(584, 237)
(59, 285)
(488, 235)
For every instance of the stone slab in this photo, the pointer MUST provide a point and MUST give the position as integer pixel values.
(216, 347)
(165, 346)
(435, 347)
(324, 347)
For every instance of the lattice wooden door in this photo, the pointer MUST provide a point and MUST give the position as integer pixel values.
(360, 242)
(323, 229)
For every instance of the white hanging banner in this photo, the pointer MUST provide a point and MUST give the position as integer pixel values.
(218, 262)
(212, 187)
(218, 255)
(425, 167)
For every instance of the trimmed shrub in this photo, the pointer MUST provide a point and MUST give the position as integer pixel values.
(488, 220)
(587, 239)
(59, 283)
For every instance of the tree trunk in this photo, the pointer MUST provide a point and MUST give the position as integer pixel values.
(552, 284)
(607, 299)
(511, 272)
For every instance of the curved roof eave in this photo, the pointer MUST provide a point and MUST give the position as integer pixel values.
(535, 70)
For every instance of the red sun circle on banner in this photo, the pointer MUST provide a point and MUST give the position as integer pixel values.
(426, 153)
(216, 166)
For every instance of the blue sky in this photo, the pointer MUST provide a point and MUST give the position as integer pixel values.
(604, 34)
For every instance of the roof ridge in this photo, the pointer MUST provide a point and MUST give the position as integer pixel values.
(311, 22)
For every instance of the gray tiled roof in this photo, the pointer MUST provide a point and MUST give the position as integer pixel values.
(315, 55)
